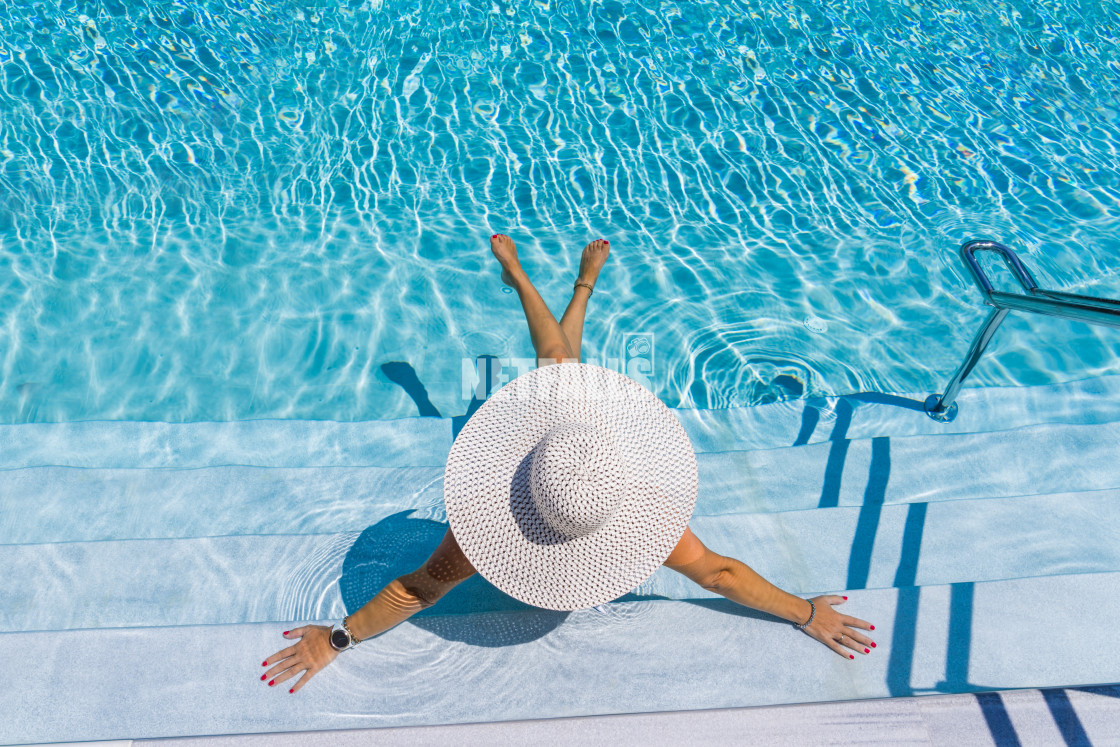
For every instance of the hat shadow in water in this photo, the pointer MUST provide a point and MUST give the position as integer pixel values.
(475, 612)
(399, 544)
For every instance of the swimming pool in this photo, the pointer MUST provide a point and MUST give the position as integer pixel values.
(243, 244)
(225, 212)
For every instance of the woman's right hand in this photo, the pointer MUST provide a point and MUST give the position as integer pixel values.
(841, 633)
(311, 654)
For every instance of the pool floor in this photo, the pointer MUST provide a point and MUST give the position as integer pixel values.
(960, 542)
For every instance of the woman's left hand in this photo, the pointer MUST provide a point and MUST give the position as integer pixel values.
(839, 632)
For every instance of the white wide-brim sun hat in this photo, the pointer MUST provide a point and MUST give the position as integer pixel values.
(570, 486)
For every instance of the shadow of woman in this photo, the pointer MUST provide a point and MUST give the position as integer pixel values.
(474, 612)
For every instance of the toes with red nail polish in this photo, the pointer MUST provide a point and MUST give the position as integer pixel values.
(271, 683)
(867, 651)
(851, 656)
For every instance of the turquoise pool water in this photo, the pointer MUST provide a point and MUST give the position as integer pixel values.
(225, 211)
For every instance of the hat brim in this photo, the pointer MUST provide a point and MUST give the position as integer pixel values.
(490, 509)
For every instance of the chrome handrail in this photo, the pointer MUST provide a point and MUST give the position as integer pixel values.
(941, 407)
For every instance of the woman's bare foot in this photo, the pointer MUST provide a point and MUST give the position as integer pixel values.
(594, 256)
(506, 253)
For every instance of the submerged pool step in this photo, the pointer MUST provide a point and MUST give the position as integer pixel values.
(990, 527)
(871, 415)
(215, 580)
(100, 444)
(414, 442)
(87, 505)
(639, 657)
(81, 504)
(1032, 460)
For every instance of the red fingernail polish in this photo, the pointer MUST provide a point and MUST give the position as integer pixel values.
(287, 631)
(873, 627)
(292, 690)
(271, 683)
(851, 656)
(845, 599)
(872, 645)
(264, 663)
(867, 651)
(263, 676)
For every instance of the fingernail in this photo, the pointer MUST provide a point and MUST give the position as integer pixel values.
(271, 683)
(263, 676)
(851, 656)
(867, 651)
(292, 690)
(873, 627)
(873, 645)
(264, 663)
(845, 599)
(287, 631)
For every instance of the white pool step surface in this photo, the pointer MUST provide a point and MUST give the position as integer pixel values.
(149, 567)
(160, 502)
(1075, 716)
(257, 578)
(425, 441)
(640, 657)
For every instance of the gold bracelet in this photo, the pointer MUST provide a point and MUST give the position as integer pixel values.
(590, 290)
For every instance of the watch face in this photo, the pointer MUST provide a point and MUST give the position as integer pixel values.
(339, 639)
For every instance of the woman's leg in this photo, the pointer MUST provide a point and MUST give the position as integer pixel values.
(549, 341)
(594, 255)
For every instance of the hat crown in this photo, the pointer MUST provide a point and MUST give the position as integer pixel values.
(577, 478)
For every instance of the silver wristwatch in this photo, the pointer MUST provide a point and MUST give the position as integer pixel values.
(341, 638)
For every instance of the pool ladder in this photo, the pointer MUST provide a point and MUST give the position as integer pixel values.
(941, 407)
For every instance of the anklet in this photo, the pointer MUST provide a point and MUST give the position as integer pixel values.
(590, 290)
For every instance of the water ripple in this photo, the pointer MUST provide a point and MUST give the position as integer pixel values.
(215, 212)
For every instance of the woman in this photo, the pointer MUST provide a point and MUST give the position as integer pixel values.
(566, 489)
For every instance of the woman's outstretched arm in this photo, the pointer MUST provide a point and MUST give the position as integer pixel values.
(399, 600)
(739, 583)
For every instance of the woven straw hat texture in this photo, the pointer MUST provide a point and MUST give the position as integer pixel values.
(570, 486)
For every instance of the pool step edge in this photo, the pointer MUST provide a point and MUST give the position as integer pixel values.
(180, 681)
(425, 441)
